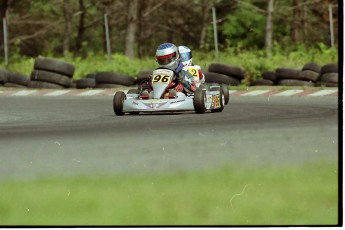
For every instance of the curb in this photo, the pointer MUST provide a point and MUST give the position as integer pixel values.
(111, 92)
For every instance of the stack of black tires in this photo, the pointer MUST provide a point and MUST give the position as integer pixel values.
(143, 75)
(88, 82)
(296, 77)
(311, 74)
(16, 80)
(328, 76)
(3, 77)
(222, 73)
(51, 73)
(267, 78)
(104, 80)
(113, 79)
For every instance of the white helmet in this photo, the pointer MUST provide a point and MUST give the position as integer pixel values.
(186, 55)
(167, 56)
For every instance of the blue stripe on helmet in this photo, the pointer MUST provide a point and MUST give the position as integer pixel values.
(165, 46)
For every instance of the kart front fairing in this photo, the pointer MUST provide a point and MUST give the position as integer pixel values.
(133, 103)
(182, 102)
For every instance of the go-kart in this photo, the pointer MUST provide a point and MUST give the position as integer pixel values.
(161, 96)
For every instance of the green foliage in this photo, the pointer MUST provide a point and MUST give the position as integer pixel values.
(39, 26)
(245, 27)
(300, 195)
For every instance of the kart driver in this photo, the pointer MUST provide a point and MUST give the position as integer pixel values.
(168, 56)
(187, 60)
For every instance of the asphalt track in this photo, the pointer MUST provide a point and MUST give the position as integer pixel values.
(61, 136)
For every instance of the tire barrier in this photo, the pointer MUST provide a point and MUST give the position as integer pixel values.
(329, 76)
(287, 73)
(55, 66)
(294, 82)
(228, 70)
(17, 80)
(14, 85)
(113, 79)
(42, 84)
(143, 75)
(269, 75)
(312, 66)
(3, 76)
(51, 77)
(86, 83)
(224, 74)
(50, 73)
(310, 75)
(213, 77)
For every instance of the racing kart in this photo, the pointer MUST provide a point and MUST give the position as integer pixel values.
(164, 98)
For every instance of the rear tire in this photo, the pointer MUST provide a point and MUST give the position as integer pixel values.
(118, 100)
(199, 101)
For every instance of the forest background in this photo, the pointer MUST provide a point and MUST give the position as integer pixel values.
(256, 35)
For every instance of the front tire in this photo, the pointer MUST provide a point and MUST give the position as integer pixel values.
(199, 101)
(118, 100)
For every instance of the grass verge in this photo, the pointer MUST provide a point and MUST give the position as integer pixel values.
(301, 195)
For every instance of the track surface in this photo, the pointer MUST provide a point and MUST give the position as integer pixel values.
(74, 135)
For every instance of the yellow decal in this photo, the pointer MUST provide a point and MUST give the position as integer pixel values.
(161, 79)
(194, 72)
(215, 101)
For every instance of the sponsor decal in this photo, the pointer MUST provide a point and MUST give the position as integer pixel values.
(215, 101)
(177, 101)
(154, 101)
(154, 105)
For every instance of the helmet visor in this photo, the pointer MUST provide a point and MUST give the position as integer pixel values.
(186, 56)
(166, 59)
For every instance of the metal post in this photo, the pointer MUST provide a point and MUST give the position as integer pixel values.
(215, 33)
(331, 23)
(5, 41)
(107, 36)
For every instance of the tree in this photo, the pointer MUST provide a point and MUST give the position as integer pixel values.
(245, 26)
(296, 21)
(67, 11)
(137, 27)
(132, 27)
(3, 10)
(81, 26)
(268, 30)
(205, 12)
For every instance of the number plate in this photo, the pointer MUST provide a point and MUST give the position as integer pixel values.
(161, 79)
(194, 71)
(162, 76)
